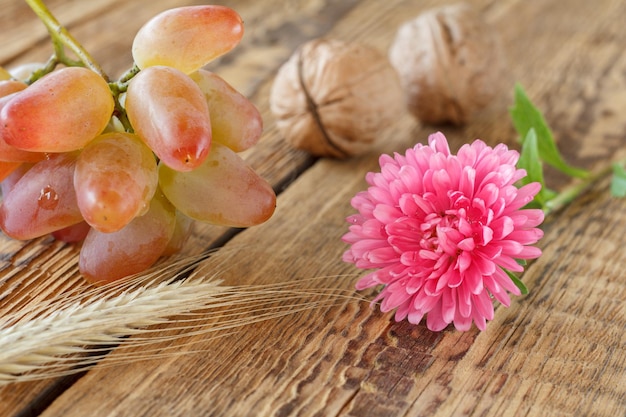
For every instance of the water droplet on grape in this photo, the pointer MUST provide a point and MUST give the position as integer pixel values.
(48, 198)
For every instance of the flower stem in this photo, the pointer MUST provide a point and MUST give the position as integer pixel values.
(61, 38)
(572, 192)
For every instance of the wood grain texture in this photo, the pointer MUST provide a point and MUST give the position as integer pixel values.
(561, 350)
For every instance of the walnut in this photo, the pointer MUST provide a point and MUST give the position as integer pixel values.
(333, 98)
(450, 64)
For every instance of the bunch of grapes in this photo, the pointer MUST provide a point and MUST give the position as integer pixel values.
(126, 170)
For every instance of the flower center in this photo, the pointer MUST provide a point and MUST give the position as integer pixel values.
(461, 227)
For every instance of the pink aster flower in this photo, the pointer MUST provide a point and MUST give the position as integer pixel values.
(439, 230)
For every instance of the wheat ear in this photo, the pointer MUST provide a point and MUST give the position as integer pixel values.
(71, 333)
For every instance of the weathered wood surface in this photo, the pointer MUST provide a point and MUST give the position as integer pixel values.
(561, 350)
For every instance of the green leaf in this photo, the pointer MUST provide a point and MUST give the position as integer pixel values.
(531, 162)
(518, 283)
(529, 159)
(526, 116)
(618, 182)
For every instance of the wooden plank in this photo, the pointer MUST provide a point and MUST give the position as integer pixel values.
(381, 380)
(558, 350)
(108, 35)
(565, 337)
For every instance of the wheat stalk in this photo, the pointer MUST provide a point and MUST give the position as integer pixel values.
(74, 331)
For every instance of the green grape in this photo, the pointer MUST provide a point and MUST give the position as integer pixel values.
(115, 178)
(235, 121)
(4, 74)
(42, 200)
(24, 71)
(169, 113)
(60, 112)
(187, 38)
(182, 231)
(223, 190)
(106, 257)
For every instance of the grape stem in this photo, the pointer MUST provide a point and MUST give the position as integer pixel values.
(117, 88)
(62, 38)
(120, 113)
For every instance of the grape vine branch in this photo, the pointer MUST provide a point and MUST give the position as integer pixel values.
(62, 38)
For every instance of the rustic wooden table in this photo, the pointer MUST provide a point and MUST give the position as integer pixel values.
(560, 350)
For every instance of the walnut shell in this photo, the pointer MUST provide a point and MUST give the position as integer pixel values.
(333, 98)
(450, 64)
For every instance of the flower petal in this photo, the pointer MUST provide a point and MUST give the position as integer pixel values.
(439, 230)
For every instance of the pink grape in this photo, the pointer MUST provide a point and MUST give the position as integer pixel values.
(106, 257)
(169, 113)
(7, 168)
(14, 176)
(10, 153)
(72, 234)
(60, 112)
(187, 38)
(115, 178)
(67, 169)
(235, 121)
(42, 200)
(223, 190)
